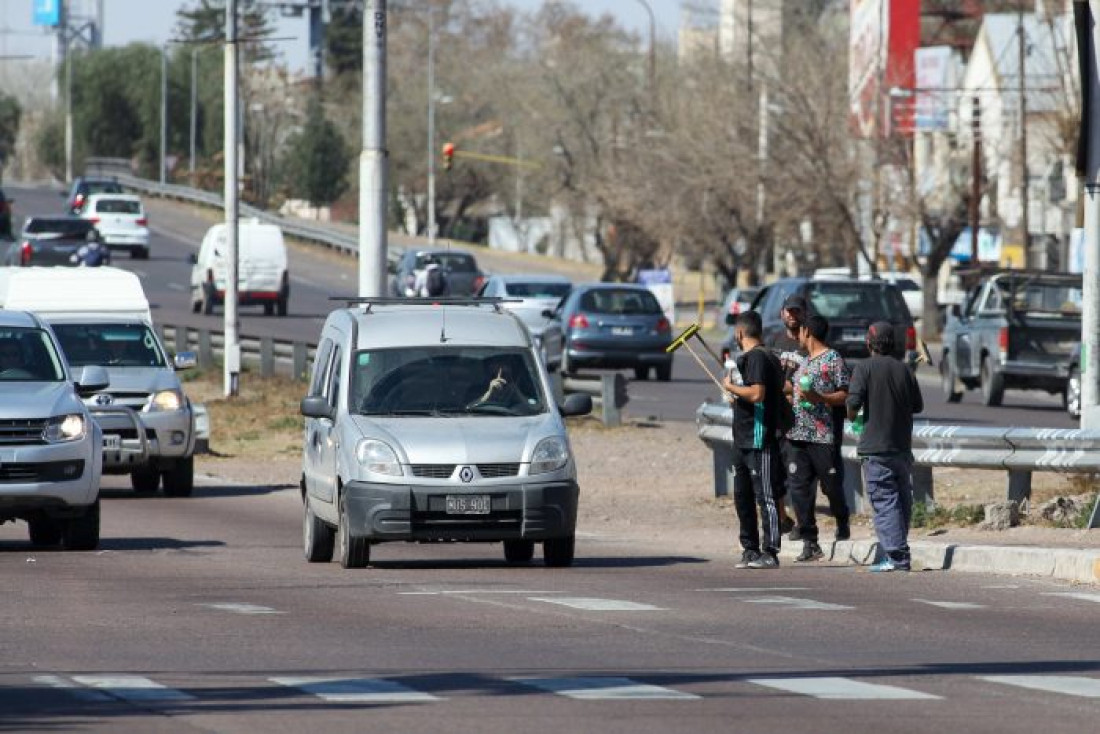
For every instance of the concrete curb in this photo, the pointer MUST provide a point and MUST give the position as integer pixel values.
(1065, 564)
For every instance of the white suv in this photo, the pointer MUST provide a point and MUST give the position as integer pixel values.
(121, 221)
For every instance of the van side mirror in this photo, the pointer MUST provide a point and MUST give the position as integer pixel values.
(316, 406)
(576, 404)
(185, 360)
(93, 379)
(193, 258)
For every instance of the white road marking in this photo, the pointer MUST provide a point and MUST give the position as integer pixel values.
(598, 605)
(841, 689)
(133, 688)
(242, 608)
(604, 689)
(1074, 595)
(796, 603)
(177, 287)
(1002, 586)
(64, 684)
(356, 690)
(951, 604)
(758, 589)
(443, 592)
(1071, 685)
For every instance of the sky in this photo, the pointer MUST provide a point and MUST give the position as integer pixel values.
(153, 21)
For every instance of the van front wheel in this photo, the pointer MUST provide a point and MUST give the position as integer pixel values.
(354, 552)
(558, 552)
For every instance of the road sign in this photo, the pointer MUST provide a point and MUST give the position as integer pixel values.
(47, 12)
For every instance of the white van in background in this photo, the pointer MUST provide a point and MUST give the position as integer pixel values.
(262, 259)
(121, 221)
(101, 317)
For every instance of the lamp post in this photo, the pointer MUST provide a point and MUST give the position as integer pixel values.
(651, 72)
(163, 112)
(431, 123)
(194, 111)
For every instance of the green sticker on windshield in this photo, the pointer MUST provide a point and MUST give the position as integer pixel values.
(364, 359)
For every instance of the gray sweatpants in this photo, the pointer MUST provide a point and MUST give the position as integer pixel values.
(890, 490)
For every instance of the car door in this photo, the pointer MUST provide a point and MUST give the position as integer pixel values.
(328, 436)
(964, 335)
(317, 430)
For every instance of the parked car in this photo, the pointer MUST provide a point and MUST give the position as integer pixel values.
(52, 455)
(262, 268)
(736, 301)
(410, 437)
(851, 306)
(48, 241)
(911, 292)
(85, 186)
(1016, 330)
(121, 221)
(535, 299)
(463, 276)
(617, 326)
(1071, 397)
(5, 216)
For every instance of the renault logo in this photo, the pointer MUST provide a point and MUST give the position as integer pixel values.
(103, 399)
(466, 475)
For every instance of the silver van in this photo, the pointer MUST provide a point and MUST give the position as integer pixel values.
(434, 421)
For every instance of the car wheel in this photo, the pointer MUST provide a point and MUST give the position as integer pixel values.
(519, 551)
(196, 306)
(82, 533)
(641, 373)
(1071, 398)
(269, 309)
(318, 537)
(145, 481)
(993, 384)
(281, 306)
(354, 552)
(139, 253)
(948, 382)
(558, 552)
(664, 372)
(46, 531)
(207, 301)
(179, 481)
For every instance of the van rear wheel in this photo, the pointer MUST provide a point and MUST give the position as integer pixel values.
(269, 309)
(318, 538)
(145, 481)
(281, 306)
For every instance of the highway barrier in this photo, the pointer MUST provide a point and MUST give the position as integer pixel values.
(608, 393)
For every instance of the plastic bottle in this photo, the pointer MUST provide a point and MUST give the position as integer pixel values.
(733, 372)
(806, 383)
(858, 423)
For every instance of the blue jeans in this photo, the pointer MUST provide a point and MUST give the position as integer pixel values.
(890, 490)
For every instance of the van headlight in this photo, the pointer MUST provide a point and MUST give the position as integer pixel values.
(550, 455)
(65, 428)
(166, 400)
(377, 457)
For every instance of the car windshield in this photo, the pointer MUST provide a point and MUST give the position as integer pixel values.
(102, 187)
(1032, 297)
(118, 206)
(74, 228)
(109, 345)
(450, 261)
(534, 289)
(856, 301)
(620, 301)
(28, 355)
(445, 381)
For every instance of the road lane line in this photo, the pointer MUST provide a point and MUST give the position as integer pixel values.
(356, 690)
(177, 287)
(238, 608)
(796, 603)
(1074, 595)
(1070, 685)
(758, 589)
(604, 689)
(841, 689)
(133, 688)
(951, 604)
(64, 684)
(589, 604)
(444, 592)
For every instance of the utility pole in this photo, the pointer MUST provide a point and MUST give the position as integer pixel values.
(975, 175)
(651, 69)
(232, 336)
(372, 159)
(431, 123)
(1022, 80)
(761, 166)
(68, 113)
(1087, 19)
(163, 113)
(194, 112)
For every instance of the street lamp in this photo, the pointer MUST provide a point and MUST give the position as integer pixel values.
(652, 70)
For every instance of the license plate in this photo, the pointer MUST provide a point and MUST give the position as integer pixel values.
(853, 335)
(622, 331)
(468, 504)
(112, 441)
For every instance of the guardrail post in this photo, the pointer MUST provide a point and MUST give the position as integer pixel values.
(923, 489)
(723, 469)
(267, 356)
(557, 387)
(301, 357)
(608, 404)
(1094, 521)
(181, 339)
(1019, 485)
(206, 348)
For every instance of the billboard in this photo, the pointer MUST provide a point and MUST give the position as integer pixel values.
(934, 76)
(884, 36)
(46, 12)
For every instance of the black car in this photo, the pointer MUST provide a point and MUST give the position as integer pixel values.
(851, 306)
(48, 241)
(85, 186)
(5, 216)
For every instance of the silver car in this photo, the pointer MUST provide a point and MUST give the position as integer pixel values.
(535, 299)
(435, 422)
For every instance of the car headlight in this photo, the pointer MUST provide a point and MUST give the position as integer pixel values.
(550, 455)
(166, 400)
(377, 457)
(65, 428)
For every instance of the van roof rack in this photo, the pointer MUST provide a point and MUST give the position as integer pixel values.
(368, 301)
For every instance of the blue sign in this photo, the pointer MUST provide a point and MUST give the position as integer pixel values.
(47, 12)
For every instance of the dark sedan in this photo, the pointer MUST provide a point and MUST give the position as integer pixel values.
(616, 325)
(48, 241)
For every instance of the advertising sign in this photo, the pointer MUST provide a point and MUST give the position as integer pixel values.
(884, 36)
(46, 12)
(934, 75)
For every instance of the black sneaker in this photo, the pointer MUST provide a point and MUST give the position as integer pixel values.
(786, 525)
(747, 557)
(843, 530)
(811, 551)
(764, 560)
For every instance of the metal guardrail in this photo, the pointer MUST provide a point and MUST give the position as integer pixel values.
(608, 394)
(1019, 451)
(269, 355)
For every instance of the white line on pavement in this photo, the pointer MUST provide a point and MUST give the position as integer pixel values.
(758, 589)
(1001, 586)
(177, 287)
(131, 688)
(602, 689)
(841, 688)
(796, 603)
(951, 604)
(1071, 685)
(242, 608)
(64, 684)
(356, 690)
(598, 605)
(472, 591)
(1074, 595)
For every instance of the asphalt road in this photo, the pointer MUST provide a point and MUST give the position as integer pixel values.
(318, 275)
(200, 614)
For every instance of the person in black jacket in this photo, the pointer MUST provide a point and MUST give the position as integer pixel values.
(887, 393)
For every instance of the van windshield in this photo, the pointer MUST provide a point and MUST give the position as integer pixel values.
(109, 345)
(452, 381)
(28, 355)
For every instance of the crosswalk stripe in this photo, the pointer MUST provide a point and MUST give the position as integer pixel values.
(796, 603)
(604, 689)
(134, 688)
(597, 605)
(1070, 685)
(1074, 595)
(951, 604)
(356, 690)
(239, 608)
(835, 688)
(64, 684)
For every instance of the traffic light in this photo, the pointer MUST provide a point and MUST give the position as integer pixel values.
(448, 155)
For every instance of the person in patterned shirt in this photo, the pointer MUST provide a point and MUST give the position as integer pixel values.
(820, 385)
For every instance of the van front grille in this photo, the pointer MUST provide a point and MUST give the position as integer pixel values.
(433, 471)
(495, 471)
